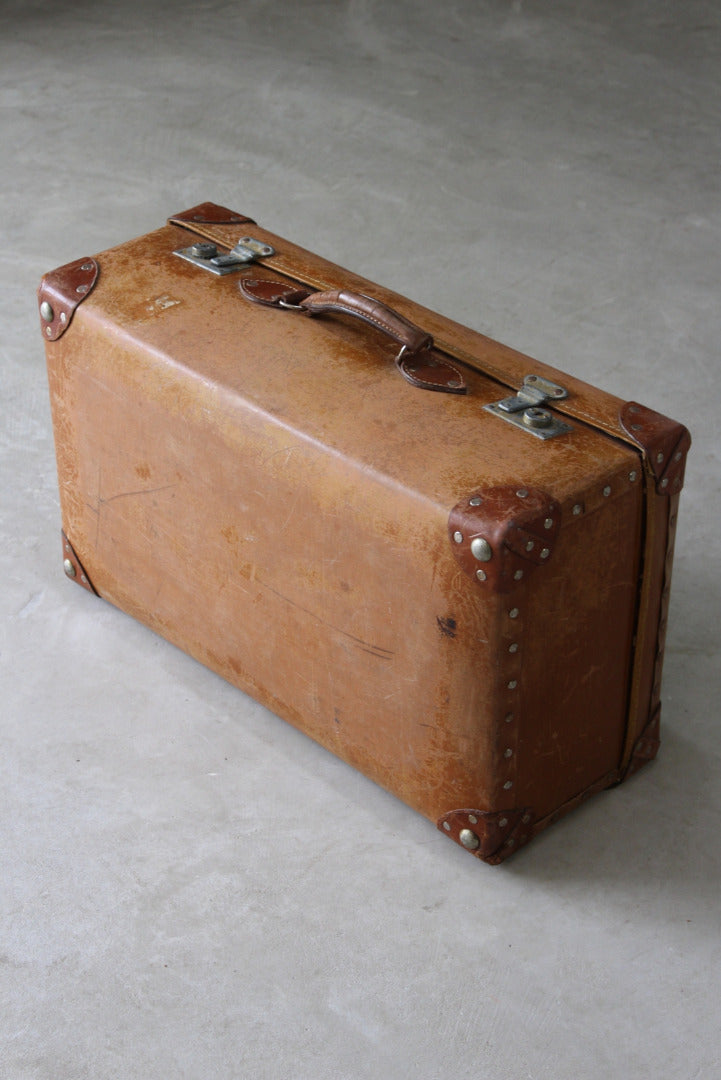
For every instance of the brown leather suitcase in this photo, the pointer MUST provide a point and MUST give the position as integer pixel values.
(443, 560)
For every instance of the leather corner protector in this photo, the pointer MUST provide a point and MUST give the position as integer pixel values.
(501, 534)
(665, 444)
(209, 213)
(74, 569)
(60, 293)
(490, 836)
(647, 745)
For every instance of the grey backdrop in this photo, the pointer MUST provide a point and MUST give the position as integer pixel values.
(189, 888)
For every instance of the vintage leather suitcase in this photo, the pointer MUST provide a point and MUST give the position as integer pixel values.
(443, 560)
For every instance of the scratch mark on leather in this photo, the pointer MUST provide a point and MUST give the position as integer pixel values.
(446, 626)
(139, 491)
(366, 646)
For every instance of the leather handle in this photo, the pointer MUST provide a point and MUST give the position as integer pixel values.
(374, 312)
(417, 361)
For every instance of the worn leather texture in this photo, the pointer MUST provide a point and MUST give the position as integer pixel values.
(263, 490)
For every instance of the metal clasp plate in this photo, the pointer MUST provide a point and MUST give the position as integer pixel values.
(525, 409)
(207, 256)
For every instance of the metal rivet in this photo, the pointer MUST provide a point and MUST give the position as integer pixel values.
(46, 311)
(513, 613)
(447, 826)
(508, 785)
(548, 523)
(530, 545)
(664, 482)
(578, 509)
(458, 537)
(469, 839)
(513, 684)
(510, 842)
(513, 647)
(475, 501)
(82, 289)
(508, 752)
(473, 819)
(509, 717)
(545, 553)
(63, 317)
(607, 491)
(87, 266)
(49, 331)
(454, 384)
(659, 457)
(522, 493)
(83, 579)
(526, 818)
(481, 575)
(678, 456)
(632, 475)
(69, 568)
(481, 549)
(502, 822)
(518, 575)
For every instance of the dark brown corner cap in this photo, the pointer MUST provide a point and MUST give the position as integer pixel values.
(74, 569)
(647, 744)
(665, 444)
(500, 535)
(490, 836)
(209, 213)
(60, 293)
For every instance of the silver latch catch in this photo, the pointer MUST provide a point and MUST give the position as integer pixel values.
(207, 256)
(525, 409)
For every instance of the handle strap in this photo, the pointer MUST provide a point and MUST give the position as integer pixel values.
(417, 361)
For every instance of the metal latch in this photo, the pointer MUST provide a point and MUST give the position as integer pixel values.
(206, 255)
(525, 409)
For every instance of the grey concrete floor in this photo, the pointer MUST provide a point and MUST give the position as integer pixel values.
(188, 887)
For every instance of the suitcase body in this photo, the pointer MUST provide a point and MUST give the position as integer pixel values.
(446, 562)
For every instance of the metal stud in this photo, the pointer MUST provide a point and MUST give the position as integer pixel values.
(475, 501)
(578, 509)
(46, 311)
(513, 684)
(458, 537)
(508, 785)
(518, 575)
(481, 549)
(502, 822)
(509, 717)
(545, 553)
(481, 575)
(87, 266)
(530, 545)
(508, 752)
(513, 647)
(513, 613)
(469, 839)
(526, 818)
(664, 482)
(447, 826)
(548, 523)
(473, 819)
(632, 475)
(69, 568)
(678, 455)
(522, 493)
(49, 331)
(607, 491)
(659, 457)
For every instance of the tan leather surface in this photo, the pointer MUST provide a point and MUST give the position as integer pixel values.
(276, 502)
